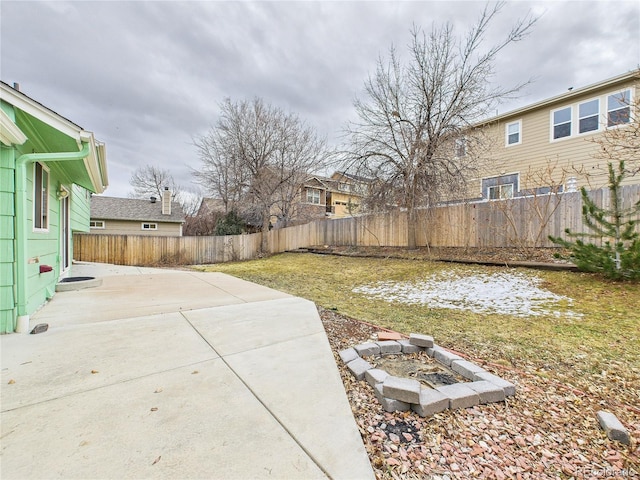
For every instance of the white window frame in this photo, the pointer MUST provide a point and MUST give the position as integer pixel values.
(41, 214)
(507, 134)
(553, 124)
(501, 189)
(608, 110)
(579, 117)
(97, 224)
(149, 226)
(311, 196)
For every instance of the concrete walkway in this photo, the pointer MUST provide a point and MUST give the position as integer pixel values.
(175, 374)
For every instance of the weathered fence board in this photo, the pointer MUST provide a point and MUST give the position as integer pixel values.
(520, 222)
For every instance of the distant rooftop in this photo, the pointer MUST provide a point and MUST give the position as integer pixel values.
(114, 208)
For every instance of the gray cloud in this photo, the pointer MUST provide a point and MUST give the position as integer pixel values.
(148, 76)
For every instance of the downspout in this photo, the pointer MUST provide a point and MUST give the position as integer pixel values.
(22, 226)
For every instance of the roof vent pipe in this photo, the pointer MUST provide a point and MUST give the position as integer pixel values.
(16, 86)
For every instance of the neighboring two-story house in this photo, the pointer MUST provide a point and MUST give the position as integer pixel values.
(338, 196)
(132, 216)
(49, 166)
(551, 145)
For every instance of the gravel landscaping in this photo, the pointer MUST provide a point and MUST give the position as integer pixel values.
(546, 431)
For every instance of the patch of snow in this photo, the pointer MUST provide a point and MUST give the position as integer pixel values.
(509, 293)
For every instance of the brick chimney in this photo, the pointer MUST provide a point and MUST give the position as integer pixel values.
(166, 201)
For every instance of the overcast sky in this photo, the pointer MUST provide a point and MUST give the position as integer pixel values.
(146, 77)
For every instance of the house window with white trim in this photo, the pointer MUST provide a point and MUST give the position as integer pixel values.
(562, 123)
(96, 224)
(149, 226)
(497, 192)
(588, 116)
(504, 186)
(313, 196)
(513, 133)
(40, 197)
(619, 108)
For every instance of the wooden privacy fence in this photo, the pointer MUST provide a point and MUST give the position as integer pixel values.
(521, 222)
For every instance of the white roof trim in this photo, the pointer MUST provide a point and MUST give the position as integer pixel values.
(95, 162)
(567, 96)
(10, 133)
(39, 111)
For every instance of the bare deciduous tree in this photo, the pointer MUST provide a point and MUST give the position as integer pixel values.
(150, 180)
(414, 134)
(256, 158)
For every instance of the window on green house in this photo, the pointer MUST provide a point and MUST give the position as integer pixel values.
(40, 197)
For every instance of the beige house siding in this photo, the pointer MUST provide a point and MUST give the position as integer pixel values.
(542, 161)
(344, 204)
(126, 227)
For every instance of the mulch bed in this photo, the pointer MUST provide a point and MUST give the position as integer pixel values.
(547, 431)
(487, 255)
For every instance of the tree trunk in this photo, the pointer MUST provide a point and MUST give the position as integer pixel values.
(266, 222)
(412, 229)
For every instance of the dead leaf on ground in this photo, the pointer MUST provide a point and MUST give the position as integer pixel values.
(157, 460)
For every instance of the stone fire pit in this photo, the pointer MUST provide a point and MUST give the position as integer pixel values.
(431, 396)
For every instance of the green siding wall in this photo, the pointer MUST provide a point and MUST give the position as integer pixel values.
(7, 240)
(80, 208)
(43, 247)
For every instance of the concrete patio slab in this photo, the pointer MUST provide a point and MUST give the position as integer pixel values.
(172, 374)
(120, 296)
(237, 328)
(207, 425)
(60, 362)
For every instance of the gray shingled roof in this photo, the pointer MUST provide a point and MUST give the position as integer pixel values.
(113, 208)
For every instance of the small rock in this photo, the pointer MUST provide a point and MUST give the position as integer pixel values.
(407, 436)
(394, 438)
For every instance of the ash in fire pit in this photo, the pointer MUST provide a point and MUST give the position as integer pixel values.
(437, 379)
(419, 366)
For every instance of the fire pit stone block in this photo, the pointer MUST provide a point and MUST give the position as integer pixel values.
(389, 404)
(421, 340)
(348, 355)
(488, 392)
(367, 349)
(466, 369)
(375, 376)
(408, 347)
(508, 387)
(431, 402)
(460, 396)
(358, 367)
(445, 357)
(389, 346)
(403, 389)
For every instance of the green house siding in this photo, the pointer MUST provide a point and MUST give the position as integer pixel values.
(80, 208)
(74, 161)
(7, 240)
(42, 248)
